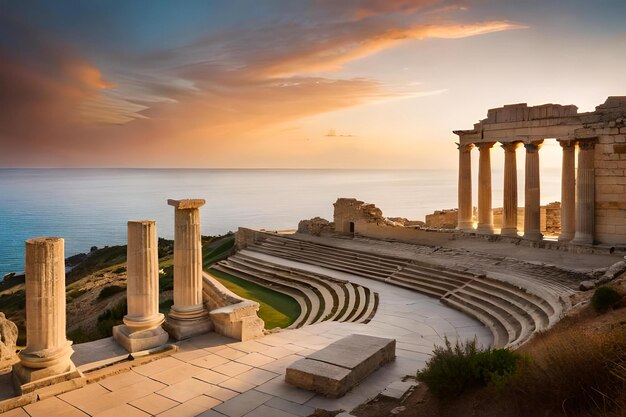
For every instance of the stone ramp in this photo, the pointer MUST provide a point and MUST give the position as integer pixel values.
(337, 368)
(513, 307)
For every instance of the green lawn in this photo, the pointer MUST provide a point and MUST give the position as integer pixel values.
(277, 309)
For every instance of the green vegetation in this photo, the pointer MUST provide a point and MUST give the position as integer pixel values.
(164, 306)
(166, 279)
(277, 309)
(454, 369)
(13, 302)
(604, 298)
(78, 336)
(97, 260)
(111, 317)
(215, 249)
(107, 292)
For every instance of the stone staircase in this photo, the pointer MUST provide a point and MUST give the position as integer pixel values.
(320, 297)
(511, 308)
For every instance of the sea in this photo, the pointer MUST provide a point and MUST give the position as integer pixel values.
(90, 207)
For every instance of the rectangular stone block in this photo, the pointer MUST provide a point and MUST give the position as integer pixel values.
(340, 366)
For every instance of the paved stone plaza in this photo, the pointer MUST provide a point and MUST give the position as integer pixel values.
(212, 375)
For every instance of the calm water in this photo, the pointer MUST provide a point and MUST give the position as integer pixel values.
(91, 206)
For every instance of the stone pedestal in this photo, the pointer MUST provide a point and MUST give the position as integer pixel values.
(532, 222)
(465, 221)
(187, 317)
(46, 358)
(142, 325)
(509, 210)
(585, 193)
(568, 191)
(485, 213)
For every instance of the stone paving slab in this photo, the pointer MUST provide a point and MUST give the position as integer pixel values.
(416, 321)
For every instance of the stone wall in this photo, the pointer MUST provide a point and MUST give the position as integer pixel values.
(232, 316)
(608, 124)
(443, 219)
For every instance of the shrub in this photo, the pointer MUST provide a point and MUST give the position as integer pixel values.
(119, 270)
(72, 295)
(78, 336)
(604, 298)
(106, 292)
(453, 369)
(166, 280)
(111, 317)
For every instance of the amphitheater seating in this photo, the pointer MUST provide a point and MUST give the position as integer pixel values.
(320, 297)
(511, 311)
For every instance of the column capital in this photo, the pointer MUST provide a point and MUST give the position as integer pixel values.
(510, 146)
(464, 147)
(586, 144)
(186, 203)
(533, 146)
(567, 143)
(484, 145)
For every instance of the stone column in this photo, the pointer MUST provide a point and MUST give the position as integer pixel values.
(585, 194)
(532, 210)
(568, 191)
(47, 353)
(187, 317)
(465, 221)
(509, 209)
(142, 325)
(485, 213)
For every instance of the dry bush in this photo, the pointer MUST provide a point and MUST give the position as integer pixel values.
(581, 374)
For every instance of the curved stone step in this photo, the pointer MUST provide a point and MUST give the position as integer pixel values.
(501, 334)
(302, 301)
(420, 286)
(321, 289)
(540, 317)
(318, 303)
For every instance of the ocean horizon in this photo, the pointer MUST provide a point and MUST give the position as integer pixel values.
(91, 206)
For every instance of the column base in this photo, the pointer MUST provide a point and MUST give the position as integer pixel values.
(136, 341)
(510, 232)
(486, 229)
(582, 239)
(533, 235)
(466, 226)
(27, 379)
(566, 237)
(186, 327)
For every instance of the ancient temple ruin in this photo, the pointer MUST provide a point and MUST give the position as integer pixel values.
(593, 187)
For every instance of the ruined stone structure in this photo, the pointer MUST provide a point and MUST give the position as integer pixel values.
(47, 353)
(142, 325)
(188, 316)
(593, 201)
(8, 338)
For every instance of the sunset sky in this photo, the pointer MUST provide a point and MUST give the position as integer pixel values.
(288, 83)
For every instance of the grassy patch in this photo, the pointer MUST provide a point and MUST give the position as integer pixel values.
(97, 260)
(216, 250)
(75, 293)
(277, 309)
(106, 292)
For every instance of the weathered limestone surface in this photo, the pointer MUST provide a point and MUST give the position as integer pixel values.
(594, 205)
(340, 366)
(188, 316)
(485, 213)
(142, 325)
(509, 212)
(532, 219)
(47, 353)
(8, 338)
(315, 226)
(232, 316)
(465, 214)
